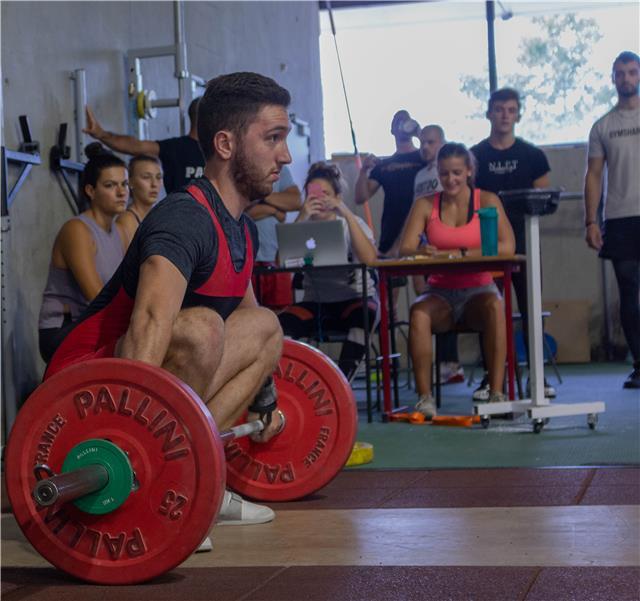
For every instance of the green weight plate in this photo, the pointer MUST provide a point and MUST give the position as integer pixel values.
(115, 461)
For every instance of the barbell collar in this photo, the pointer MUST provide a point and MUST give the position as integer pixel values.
(70, 485)
(242, 430)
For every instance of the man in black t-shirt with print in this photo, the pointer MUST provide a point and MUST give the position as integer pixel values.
(506, 162)
(396, 175)
(181, 157)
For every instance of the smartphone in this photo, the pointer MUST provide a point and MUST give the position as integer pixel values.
(315, 189)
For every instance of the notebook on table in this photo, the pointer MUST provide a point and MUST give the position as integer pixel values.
(322, 241)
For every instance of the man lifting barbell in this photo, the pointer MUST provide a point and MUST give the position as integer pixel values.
(115, 467)
(182, 297)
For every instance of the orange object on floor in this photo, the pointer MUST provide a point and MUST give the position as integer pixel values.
(462, 421)
(399, 417)
(416, 418)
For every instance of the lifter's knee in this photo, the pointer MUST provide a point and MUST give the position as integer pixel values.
(197, 338)
(270, 332)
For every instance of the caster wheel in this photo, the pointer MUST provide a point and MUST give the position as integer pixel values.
(538, 424)
(485, 420)
(592, 420)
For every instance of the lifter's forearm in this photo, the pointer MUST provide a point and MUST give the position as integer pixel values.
(147, 339)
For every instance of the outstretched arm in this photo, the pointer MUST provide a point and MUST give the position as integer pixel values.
(119, 142)
(161, 290)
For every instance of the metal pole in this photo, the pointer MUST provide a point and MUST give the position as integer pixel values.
(161, 103)
(79, 78)
(491, 43)
(182, 71)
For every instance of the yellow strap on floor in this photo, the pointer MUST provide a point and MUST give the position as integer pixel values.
(361, 453)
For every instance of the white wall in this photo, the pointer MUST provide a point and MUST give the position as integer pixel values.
(43, 42)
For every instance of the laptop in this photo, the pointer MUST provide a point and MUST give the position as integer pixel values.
(323, 240)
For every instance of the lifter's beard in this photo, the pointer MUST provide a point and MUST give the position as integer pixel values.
(247, 177)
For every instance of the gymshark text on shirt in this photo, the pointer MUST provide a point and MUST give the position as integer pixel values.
(620, 133)
(501, 168)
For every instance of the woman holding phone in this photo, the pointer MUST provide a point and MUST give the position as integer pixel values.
(332, 300)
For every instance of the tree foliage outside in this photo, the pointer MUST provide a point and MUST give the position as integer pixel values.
(556, 83)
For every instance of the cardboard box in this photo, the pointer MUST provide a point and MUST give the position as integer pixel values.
(569, 325)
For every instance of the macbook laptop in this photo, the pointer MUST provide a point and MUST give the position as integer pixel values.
(323, 240)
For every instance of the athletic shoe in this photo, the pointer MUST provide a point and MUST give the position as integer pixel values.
(549, 391)
(238, 511)
(427, 406)
(482, 393)
(451, 373)
(205, 545)
(497, 397)
(633, 381)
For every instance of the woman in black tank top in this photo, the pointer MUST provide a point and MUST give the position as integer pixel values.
(145, 182)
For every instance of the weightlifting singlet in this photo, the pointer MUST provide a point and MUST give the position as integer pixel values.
(193, 230)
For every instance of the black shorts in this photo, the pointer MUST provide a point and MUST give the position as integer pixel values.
(621, 239)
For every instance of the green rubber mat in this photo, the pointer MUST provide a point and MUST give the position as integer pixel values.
(564, 441)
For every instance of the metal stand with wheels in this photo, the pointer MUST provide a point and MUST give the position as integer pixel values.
(539, 409)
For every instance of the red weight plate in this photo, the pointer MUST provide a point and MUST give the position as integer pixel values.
(173, 447)
(321, 425)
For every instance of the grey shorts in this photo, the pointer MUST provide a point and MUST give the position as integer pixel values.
(457, 298)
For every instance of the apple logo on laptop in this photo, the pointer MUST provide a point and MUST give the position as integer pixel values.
(310, 244)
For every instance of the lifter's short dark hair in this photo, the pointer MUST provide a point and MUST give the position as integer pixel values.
(502, 95)
(232, 101)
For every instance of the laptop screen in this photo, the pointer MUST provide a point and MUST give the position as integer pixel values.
(324, 242)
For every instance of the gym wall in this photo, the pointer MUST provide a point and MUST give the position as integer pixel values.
(43, 42)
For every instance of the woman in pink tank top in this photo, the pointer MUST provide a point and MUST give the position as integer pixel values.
(450, 223)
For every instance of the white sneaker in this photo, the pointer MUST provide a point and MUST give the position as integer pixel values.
(427, 406)
(205, 545)
(549, 391)
(482, 393)
(238, 511)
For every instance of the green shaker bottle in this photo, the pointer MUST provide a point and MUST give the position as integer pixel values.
(489, 230)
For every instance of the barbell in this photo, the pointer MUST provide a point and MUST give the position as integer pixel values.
(116, 471)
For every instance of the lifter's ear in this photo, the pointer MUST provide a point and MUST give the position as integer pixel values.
(224, 144)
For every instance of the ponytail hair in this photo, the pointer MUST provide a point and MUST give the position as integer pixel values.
(99, 160)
